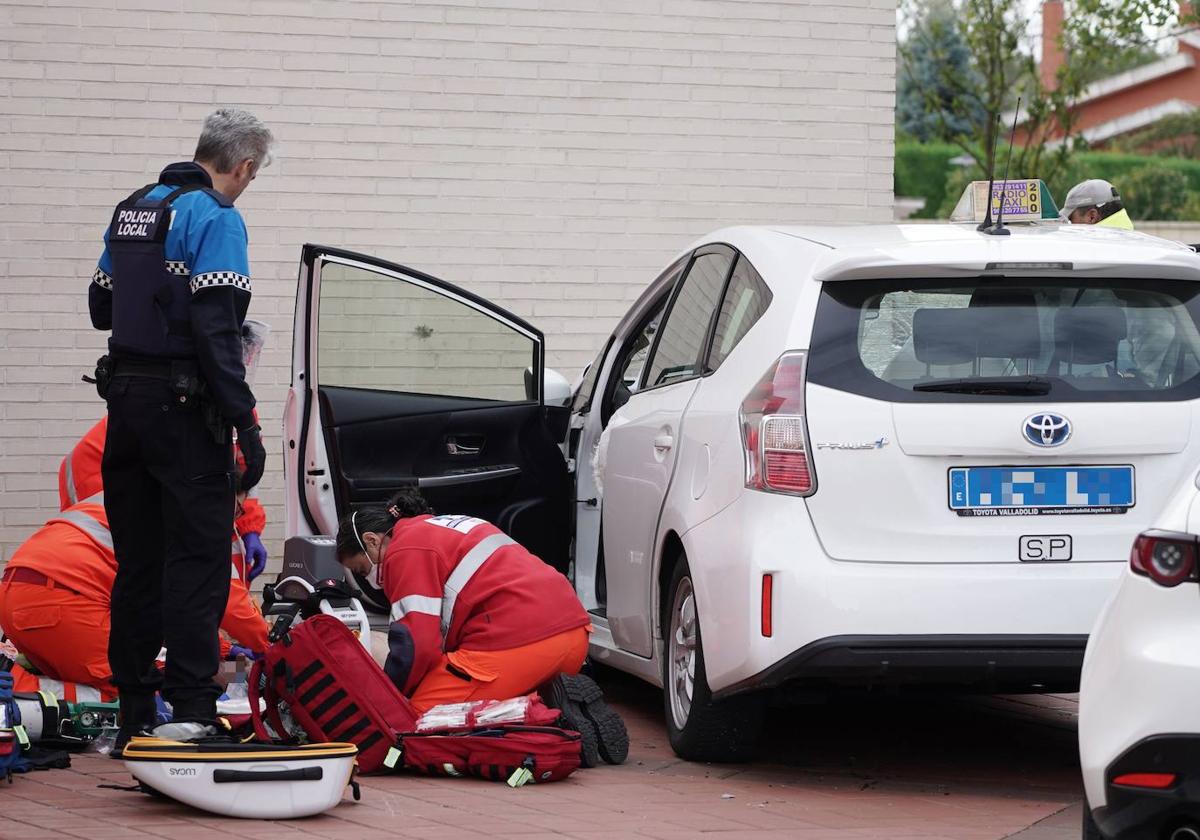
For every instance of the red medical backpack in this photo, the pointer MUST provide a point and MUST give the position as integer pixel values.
(334, 690)
(526, 748)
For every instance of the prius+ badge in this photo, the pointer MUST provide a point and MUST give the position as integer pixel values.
(870, 444)
(1044, 429)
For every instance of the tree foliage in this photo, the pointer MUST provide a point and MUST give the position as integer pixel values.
(931, 104)
(973, 110)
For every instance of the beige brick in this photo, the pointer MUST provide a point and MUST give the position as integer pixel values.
(546, 154)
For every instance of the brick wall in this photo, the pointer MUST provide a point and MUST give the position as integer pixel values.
(539, 152)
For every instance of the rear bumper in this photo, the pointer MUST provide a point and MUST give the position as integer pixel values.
(1138, 812)
(985, 626)
(991, 663)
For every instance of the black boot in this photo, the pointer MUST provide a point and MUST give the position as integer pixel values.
(583, 709)
(138, 716)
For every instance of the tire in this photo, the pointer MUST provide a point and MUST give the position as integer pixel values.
(699, 728)
(1090, 830)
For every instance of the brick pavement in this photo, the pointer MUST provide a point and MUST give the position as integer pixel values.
(903, 769)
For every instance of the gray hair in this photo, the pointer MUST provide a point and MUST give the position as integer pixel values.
(231, 136)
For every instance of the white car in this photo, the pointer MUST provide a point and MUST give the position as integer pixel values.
(835, 456)
(1139, 719)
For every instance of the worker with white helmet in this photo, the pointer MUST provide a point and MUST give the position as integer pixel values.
(1096, 202)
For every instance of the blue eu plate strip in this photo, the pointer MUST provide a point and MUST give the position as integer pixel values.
(1070, 488)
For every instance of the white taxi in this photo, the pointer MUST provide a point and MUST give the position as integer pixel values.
(829, 456)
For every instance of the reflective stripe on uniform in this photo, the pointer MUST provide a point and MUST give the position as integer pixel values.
(95, 499)
(465, 570)
(426, 604)
(53, 687)
(87, 694)
(71, 692)
(70, 467)
(88, 525)
(102, 279)
(237, 552)
(219, 278)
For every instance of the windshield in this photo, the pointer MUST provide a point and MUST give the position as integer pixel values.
(989, 339)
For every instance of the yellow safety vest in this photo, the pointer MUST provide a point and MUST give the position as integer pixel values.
(1119, 220)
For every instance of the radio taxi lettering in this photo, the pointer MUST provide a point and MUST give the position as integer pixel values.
(136, 223)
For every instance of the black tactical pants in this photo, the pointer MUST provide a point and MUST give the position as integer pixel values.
(168, 493)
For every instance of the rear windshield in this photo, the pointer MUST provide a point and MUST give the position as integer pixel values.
(990, 339)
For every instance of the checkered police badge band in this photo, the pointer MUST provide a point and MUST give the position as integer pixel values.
(104, 281)
(178, 267)
(220, 278)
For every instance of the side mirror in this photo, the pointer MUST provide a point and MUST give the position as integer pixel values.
(556, 389)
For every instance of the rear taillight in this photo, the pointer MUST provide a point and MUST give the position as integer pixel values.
(774, 434)
(1166, 557)
(1155, 781)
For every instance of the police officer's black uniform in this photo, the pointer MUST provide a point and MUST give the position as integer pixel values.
(173, 286)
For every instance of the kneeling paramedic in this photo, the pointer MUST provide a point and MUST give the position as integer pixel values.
(173, 285)
(474, 615)
(55, 602)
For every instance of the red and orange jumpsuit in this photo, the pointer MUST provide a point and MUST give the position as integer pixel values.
(474, 615)
(79, 477)
(55, 597)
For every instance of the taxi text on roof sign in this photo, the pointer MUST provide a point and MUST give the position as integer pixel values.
(1025, 200)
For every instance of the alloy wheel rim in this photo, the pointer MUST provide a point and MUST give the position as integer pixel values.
(682, 653)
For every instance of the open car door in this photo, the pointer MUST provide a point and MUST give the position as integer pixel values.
(399, 378)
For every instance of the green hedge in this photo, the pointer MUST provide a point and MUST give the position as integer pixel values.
(925, 170)
(921, 171)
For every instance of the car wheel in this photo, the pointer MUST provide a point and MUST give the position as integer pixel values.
(699, 728)
(1090, 831)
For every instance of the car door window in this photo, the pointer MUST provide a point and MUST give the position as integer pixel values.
(378, 332)
(677, 354)
(746, 299)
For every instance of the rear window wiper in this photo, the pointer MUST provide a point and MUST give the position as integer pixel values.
(1001, 386)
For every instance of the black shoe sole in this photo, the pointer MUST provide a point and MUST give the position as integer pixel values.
(603, 732)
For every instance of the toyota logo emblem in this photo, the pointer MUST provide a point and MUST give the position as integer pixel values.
(1047, 429)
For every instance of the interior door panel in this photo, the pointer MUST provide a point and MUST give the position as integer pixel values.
(380, 441)
(406, 379)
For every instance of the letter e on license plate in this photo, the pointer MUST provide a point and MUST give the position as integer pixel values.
(1040, 549)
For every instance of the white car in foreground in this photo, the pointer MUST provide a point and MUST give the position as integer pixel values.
(836, 456)
(1139, 704)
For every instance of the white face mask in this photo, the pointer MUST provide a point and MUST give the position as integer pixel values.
(374, 576)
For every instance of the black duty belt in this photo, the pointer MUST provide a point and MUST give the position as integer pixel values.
(168, 369)
(144, 368)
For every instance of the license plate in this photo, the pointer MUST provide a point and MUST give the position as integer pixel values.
(1042, 548)
(1034, 491)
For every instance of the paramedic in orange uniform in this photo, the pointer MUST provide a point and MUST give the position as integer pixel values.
(79, 478)
(55, 599)
(474, 615)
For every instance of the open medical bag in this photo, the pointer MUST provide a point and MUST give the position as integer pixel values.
(333, 690)
(513, 741)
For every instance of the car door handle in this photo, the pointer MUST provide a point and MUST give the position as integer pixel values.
(471, 445)
(663, 442)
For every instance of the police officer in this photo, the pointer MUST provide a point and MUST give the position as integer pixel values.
(173, 285)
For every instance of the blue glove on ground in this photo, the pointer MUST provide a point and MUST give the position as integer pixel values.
(256, 555)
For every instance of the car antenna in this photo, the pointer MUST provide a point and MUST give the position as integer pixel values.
(987, 216)
(1000, 229)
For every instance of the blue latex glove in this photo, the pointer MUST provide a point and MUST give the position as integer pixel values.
(237, 650)
(256, 555)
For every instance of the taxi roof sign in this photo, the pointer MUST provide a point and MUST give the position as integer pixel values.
(1025, 200)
